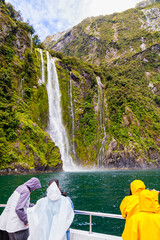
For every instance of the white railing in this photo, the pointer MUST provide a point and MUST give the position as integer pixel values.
(2, 205)
(98, 214)
(90, 214)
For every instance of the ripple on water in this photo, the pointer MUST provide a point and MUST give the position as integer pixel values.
(99, 191)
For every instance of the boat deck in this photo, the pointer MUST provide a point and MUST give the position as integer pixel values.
(84, 235)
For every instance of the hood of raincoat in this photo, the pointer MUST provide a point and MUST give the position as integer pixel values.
(147, 201)
(137, 186)
(33, 184)
(53, 192)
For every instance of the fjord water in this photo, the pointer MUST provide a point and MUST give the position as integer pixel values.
(98, 191)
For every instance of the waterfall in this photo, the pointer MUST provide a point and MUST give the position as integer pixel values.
(72, 119)
(102, 129)
(42, 66)
(55, 126)
(21, 87)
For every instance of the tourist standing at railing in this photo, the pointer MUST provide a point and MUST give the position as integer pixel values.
(52, 215)
(144, 225)
(130, 204)
(65, 195)
(14, 219)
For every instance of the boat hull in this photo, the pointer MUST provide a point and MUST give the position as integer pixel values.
(84, 235)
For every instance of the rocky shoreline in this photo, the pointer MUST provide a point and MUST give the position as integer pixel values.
(20, 170)
(108, 166)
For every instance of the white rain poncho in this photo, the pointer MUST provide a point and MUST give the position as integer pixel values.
(50, 218)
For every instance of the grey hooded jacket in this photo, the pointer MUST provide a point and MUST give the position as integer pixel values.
(14, 217)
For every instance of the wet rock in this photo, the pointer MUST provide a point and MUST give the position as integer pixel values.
(120, 147)
(21, 168)
(18, 132)
(74, 77)
(128, 158)
(154, 154)
(46, 139)
(36, 158)
(123, 160)
(27, 153)
(28, 147)
(112, 147)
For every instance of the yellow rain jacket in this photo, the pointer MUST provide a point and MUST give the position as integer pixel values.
(156, 196)
(130, 204)
(144, 225)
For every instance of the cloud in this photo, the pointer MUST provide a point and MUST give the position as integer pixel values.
(51, 16)
(104, 7)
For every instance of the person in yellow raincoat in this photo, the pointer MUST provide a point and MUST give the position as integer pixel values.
(144, 225)
(130, 204)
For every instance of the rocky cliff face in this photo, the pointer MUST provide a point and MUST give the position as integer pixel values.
(130, 109)
(104, 39)
(111, 111)
(25, 146)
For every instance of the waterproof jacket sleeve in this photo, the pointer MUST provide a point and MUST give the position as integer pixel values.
(156, 196)
(21, 205)
(123, 208)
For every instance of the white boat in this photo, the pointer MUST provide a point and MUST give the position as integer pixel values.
(84, 235)
(89, 235)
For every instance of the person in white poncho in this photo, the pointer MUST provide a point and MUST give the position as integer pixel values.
(52, 215)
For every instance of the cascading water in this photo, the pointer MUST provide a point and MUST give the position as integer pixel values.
(42, 66)
(55, 127)
(72, 119)
(21, 87)
(102, 129)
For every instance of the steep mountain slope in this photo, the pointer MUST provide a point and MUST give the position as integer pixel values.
(122, 127)
(102, 40)
(23, 103)
(126, 48)
(111, 111)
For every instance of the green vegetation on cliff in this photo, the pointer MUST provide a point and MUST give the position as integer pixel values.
(104, 39)
(24, 103)
(115, 102)
(83, 89)
(131, 109)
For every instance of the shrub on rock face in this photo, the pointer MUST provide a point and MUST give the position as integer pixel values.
(130, 104)
(24, 104)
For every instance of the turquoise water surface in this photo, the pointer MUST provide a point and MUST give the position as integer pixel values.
(98, 191)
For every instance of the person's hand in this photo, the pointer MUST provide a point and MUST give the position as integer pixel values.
(154, 190)
(27, 225)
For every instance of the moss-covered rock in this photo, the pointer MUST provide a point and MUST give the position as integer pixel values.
(24, 144)
(82, 77)
(130, 110)
(119, 128)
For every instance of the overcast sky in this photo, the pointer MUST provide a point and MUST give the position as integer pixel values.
(51, 16)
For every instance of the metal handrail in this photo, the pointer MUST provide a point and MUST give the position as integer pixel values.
(98, 214)
(90, 214)
(2, 205)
